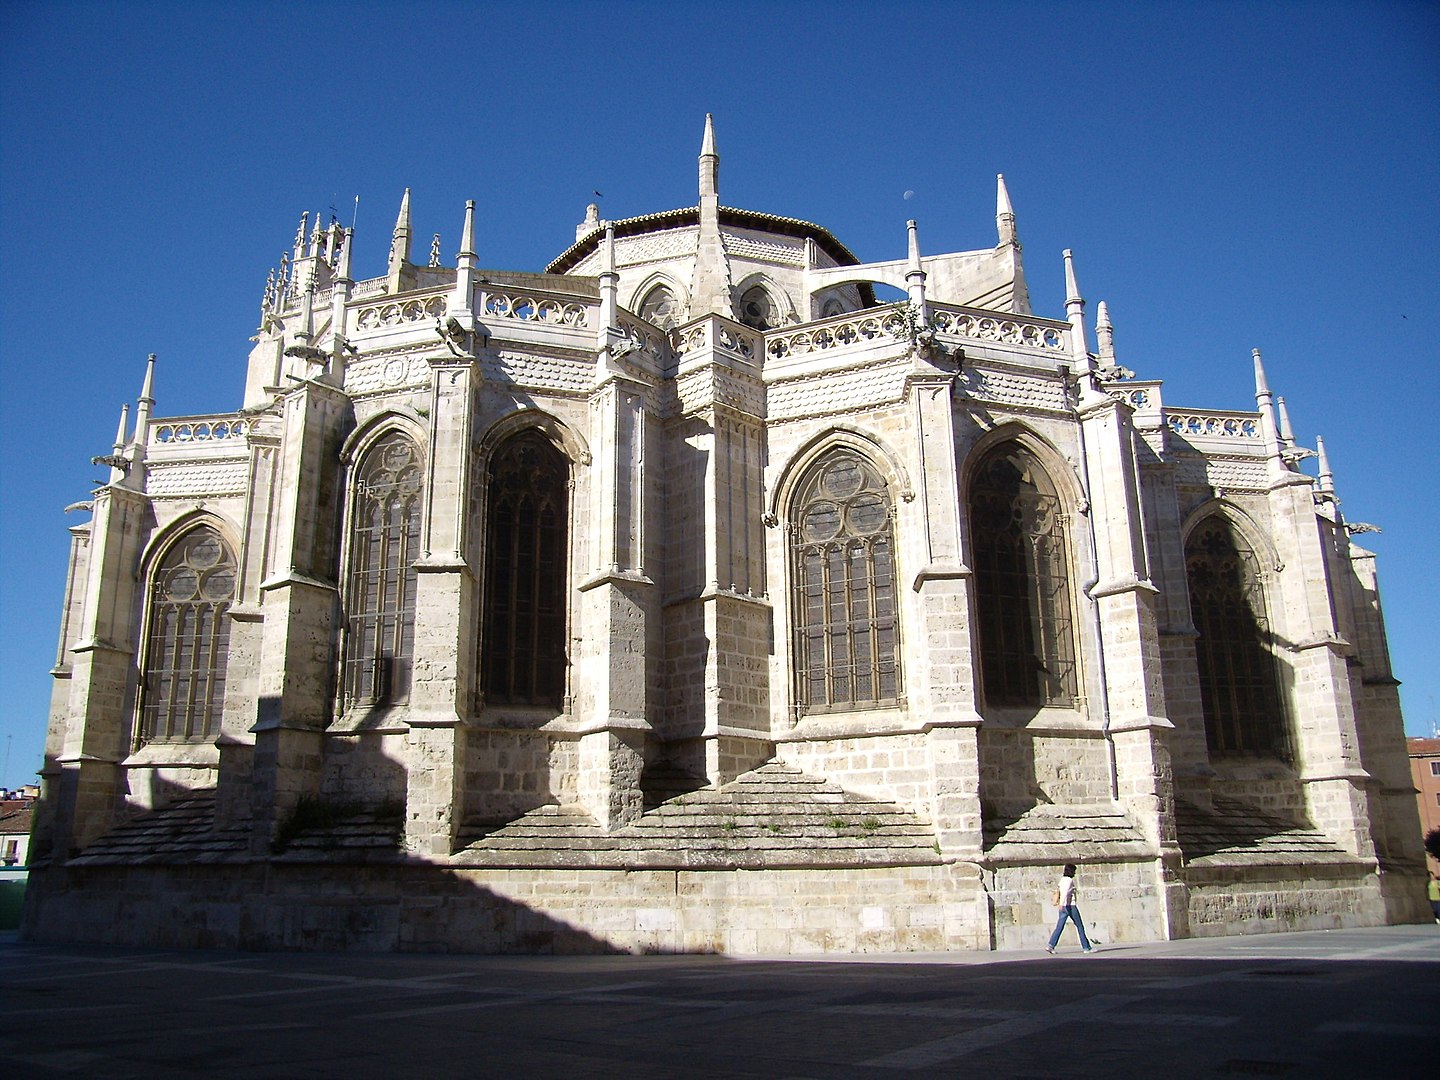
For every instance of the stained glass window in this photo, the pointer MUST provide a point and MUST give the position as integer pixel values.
(1239, 687)
(842, 551)
(183, 687)
(1022, 583)
(380, 587)
(523, 657)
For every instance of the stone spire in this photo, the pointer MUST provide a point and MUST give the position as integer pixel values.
(339, 299)
(914, 274)
(1079, 349)
(1104, 335)
(400, 243)
(709, 162)
(465, 263)
(122, 433)
(298, 246)
(710, 288)
(1287, 433)
(1008, 247)
(1004, 213)
(146, 404)
(1326, 487)
(609, 285)
(1269, 430)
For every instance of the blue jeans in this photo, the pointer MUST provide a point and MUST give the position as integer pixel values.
(1070, 911)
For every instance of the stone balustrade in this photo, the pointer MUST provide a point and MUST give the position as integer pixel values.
(197, 429)
(531, 306)
(1214, 424)
(412, 308)
(725, 337)
(1027, 332)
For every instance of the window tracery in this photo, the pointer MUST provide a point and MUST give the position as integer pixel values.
(183, 685)
(758, 310)
(1239, 685)
(380, 586)
(1022, 583)
(842, 551)
(523, 657)
(661, 308)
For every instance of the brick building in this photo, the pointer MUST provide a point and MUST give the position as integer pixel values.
(1425, 774)
(684, 596)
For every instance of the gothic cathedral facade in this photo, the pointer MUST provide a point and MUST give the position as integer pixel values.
(684, 597)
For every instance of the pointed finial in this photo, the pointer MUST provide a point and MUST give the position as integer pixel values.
(1327, 478)
(299, 244)
(342, 262)
(1262, 385)
(146, 404)
(1287, 433)
(590, 223)
(1104, 334)
(464, 296)
(122, 433)
(1004, 212)
(607, 250)
(1072, 288)
(467, 232)
(709, 162)
(400, 238)
(435, 250)
(147, 389)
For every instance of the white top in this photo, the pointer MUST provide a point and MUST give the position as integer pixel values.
(1067, 891)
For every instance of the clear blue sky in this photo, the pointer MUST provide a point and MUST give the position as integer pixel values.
(1229, 175)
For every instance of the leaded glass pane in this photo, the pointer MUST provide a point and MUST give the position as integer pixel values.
(1239, 687)
(523, 658)
(183, 685)
(846, 640)
(380, 586)
(1022, 583)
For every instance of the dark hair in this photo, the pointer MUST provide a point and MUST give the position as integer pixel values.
(1070, 869)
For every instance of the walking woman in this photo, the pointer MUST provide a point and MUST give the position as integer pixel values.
(1065, 900)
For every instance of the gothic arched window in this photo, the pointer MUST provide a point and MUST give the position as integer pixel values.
(846, 618)
(661, 308)
(758, 310)
(1239, 689)
(523, 656)
(380, 587)
(183, 686)
(1022, 583)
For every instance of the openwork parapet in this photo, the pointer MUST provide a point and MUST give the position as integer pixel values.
(398, 312)
(209, 429)
(707, 334)
(876, 325)
(1215, 425)
(1008, 331)
(533, 309)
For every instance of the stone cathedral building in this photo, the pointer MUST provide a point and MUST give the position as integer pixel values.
(682, 596)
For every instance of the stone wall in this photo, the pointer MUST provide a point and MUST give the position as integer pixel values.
(1117, 902)
(418, 908)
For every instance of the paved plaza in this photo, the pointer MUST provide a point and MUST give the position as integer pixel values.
(1351, 1003)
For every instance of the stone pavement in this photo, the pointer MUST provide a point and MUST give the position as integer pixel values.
(1344, 1003)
